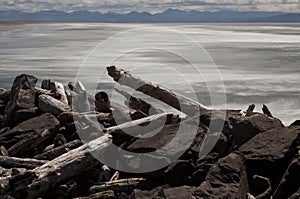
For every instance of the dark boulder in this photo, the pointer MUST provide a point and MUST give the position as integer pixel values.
(178, 172)
(26, 114)
(296, 123)
(290, 182)
(268, 154)
(201, 169)
(22, 96)
(156, 193)
(226, 179)
(245, 128)
(184, 192)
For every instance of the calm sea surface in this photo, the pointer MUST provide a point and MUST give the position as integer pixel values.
(258, 63)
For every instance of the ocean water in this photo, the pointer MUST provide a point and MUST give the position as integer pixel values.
(239, 64)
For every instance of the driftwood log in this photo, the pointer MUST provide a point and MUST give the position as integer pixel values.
(28, 163)
(123, 185)
(179, 102)
(31, 140)
(83, 104)
(49, 104)
(40, 180)
(101, 195)
(139, 104)
(58, 88)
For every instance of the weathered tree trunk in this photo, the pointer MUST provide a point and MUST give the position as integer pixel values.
(68, 117)
(139, 104)
(179, 102)
(119, 132)
(135, 123)
(51, 105)
(34, 183)
(83, 104)
(13, 162)
(101, 195)
(53, 153)
(3, 151)
(123, 185)
(58, 88)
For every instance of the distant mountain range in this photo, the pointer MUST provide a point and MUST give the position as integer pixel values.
(168, 16)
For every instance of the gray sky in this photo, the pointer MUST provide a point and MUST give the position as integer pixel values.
(152, 6)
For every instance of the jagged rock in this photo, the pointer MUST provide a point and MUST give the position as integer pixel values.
(266, 111)
(218, 143)
(159, 137)
(183, 192)
(177, 173)
(26, 114)
(22, 96)
(226, 179)
(250, 109)
(201, 169)
(102, 102)
(268, 154)
(290, 182)
(14, 135)
(261, 187)
(245, 128)
(296, 123)
(156, 193)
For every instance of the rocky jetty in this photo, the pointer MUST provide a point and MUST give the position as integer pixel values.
(49, 136)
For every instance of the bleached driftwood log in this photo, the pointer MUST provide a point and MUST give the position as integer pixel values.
(13, 162)
(123, 185)
(83, 104)
(3, 151)
(139, 104)
(58, 88)
(49, 104)
(138, 122)
(179, 102)
(119, 132)
(34, 183)
(103, 195)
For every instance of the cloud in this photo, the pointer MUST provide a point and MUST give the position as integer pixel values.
(150, 5)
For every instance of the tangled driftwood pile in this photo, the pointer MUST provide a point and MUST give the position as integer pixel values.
(42, 155)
